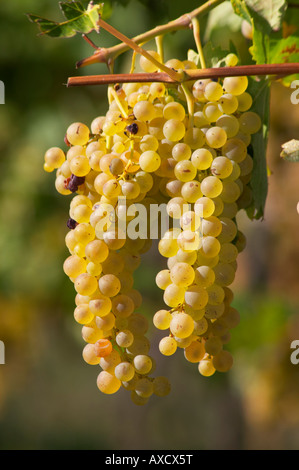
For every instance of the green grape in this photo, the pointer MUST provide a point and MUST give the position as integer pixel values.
(246, 166)
(211, 111)
(108, 383)
(200, 120)
(147, 65)
(74, 266)
(162, 319)
(149, 161)
(194, 137)
(244, 102)
(109, 285)
(221, 167)
(224, 274)
(206, 368)
(204, 276)
(186, 257)
(230, 192)
(124, 338)
(124, 371)
(230, 124)
(231, 60)
(235, 85)
(210, 246)
(213, 345)
(194, 352)
(89, 355)
(79, 165)
(250, 122)
(215, 292)
(185, 171)
(157, 89)
(213, 91)
(142, 364)
(228, 253)
(100, 306)
(144, 387)
(200, 326)
(211, 186)
(228, 103)
(201, 159)
(54, 157)
(211, 226)
(196, 297)
(144, 111)
(229, 230)
(163, 279)
(236, 171)
(174, 110)
(130, 189)
(85, 284)
(174, 130)
(223, 361)
(181, 151)
(182, 274)
(77, 133)
(149, 142)
(188, 240)
(191, 191)
(204, 207)
(168, 247)
(219, 205)
(198, 88)
(214, 311)
(83, 315)
(167, 346)
(122, 306)
(140, 345)
(173, 295)
(105, 323)
(229, 210)
(235, 149)
(190, 221)
(181, 325)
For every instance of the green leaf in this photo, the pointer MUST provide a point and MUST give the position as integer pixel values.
(214, 56)
(78, 19)
(290, 151)
(260, 91)
(266, 13)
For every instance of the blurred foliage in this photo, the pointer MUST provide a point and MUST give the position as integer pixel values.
(48, 395)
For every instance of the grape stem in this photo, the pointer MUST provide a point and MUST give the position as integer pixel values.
(105, 55)
(192, 74)
(196, 34)
(133, 45)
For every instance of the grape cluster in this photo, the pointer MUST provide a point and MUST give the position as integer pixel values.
(156, 145)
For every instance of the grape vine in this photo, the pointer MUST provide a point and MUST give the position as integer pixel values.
(187, 145)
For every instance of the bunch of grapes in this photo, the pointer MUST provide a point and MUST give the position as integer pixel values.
(184, 146)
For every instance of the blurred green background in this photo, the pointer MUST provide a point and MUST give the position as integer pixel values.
(48, 394)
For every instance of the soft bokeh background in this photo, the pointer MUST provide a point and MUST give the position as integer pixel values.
(48, 395)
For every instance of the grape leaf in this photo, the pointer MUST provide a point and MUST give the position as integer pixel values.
(266, 13)
(260, 91)
(78, 19)
(290, 151)
(214, 56)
